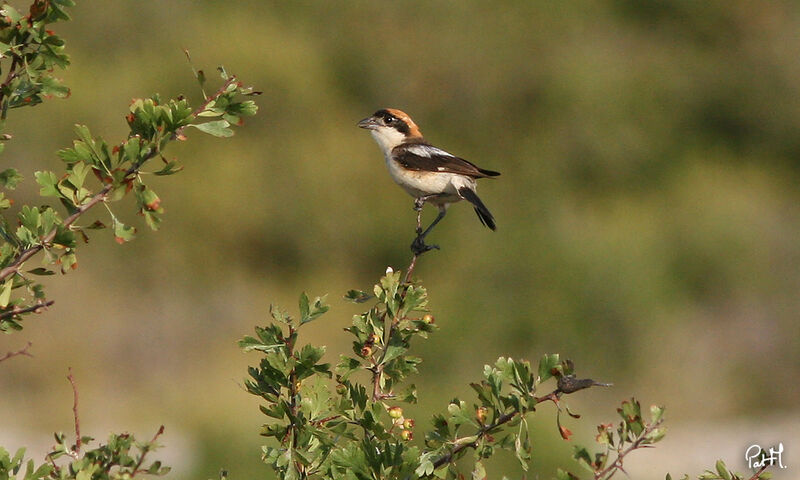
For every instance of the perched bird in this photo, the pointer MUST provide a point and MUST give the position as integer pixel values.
(427, 173)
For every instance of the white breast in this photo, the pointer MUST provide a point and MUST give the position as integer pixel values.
(421, 183)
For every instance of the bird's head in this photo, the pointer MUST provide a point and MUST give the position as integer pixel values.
(391, 127)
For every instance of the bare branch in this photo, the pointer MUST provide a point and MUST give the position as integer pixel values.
(71, 379)
(757, 475)
(37, 308)
(23, 351)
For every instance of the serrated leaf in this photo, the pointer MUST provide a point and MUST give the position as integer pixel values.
(123, 233)
(9, 178)
(394, 349)
(48, 182)
(217, 128)
(310, 311)
(77, 174)
(5, 293)
(547, 364)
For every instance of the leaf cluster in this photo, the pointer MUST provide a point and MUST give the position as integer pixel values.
(29, 54)
(721, 472)
(631, 433)
(121, 457)
(115, 171)
(347, 423)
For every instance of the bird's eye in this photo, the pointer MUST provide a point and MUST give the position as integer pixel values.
(389, 119)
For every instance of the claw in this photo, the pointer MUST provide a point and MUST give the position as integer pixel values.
(418, 246)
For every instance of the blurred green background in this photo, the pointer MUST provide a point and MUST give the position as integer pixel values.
(648, 215)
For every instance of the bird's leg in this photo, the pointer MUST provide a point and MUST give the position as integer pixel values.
(418, 246)
(418, 204)
(442, 213)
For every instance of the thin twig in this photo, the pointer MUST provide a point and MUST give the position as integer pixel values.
(377, 368)
(617, 463)
(78, 442)
(19, 311)
(502, 419)
(410, 269)
(757, 475)
(145, 450)
(23, 351)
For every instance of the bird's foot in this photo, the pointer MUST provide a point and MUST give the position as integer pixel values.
(418, 246)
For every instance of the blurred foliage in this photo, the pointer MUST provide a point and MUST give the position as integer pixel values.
(648, 215)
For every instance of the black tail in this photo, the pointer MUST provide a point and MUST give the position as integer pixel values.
(484, 214)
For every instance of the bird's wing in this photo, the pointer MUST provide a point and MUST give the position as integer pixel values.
(424, 157)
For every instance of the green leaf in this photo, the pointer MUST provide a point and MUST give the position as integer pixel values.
(581, 454)
(218, 128)
(409, 395)
(357, 296)
(280, 315)
(170, 168)
(547, 365)
(478, 471)
(656, 434)
(347, 366)
(123, 233)
(394, 349)
(29, 218)
(41, 271)
(656, 413)
(5, 293)
(132, 148)
(249, 343)
(52, 86)
(722, 470)
(26, 236)
(9, 178)
(11, 13)
(77, 174)
(564, 475)
(49, 183)
(64, 237)
(311, 311)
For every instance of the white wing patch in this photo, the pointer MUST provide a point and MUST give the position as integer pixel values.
(427, 151)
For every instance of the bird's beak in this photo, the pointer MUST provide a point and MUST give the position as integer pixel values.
(370, 123)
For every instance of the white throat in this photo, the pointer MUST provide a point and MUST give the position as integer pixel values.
(387, 138)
